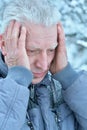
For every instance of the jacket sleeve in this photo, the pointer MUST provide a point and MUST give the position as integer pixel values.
(14, 95)
(75, 92)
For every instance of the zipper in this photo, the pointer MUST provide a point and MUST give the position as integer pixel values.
(29, 123)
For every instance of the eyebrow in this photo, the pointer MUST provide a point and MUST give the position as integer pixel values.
(51, 47)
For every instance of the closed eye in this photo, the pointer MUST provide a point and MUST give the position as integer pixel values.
(50, 51)
(33, 52)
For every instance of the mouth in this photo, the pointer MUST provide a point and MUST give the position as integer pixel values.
(39, 75)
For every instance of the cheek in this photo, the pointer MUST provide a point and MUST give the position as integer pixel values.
(50, 58)
(32, 61)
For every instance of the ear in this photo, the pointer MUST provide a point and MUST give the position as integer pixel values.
(2, 45)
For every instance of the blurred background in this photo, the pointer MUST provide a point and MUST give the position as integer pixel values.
(74, 20)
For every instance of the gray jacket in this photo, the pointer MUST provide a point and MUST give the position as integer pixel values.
(59, 102)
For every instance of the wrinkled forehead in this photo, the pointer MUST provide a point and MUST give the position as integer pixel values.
(41, 31)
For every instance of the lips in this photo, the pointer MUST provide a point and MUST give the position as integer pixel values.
(39, 75)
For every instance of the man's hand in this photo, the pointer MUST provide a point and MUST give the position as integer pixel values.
(0, 40)
(60, 59)
(14, 46)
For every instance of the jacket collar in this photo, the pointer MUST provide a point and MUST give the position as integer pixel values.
(3, 66)
(45, 82)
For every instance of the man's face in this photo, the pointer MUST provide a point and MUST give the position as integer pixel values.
(40, 46)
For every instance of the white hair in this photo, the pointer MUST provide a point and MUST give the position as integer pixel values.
(36, 11)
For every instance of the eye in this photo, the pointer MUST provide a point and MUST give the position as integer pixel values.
(32, 52)
(51, 51)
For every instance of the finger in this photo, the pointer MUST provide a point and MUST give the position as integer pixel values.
(61, 34)
(7, 36)
(22, 48)
(8, 31)
(15, 34)
(0, 37)
(0, 40)
(22, 38)
(62, 45)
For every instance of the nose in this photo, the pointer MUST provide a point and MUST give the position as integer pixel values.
(42, 61)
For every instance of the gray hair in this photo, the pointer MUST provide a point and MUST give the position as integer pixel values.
(36, 11)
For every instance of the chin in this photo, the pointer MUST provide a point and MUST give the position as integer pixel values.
(37, 80)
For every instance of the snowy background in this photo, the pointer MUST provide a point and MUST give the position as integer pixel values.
(74, 20)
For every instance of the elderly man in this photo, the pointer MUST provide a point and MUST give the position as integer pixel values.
(39, 90)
